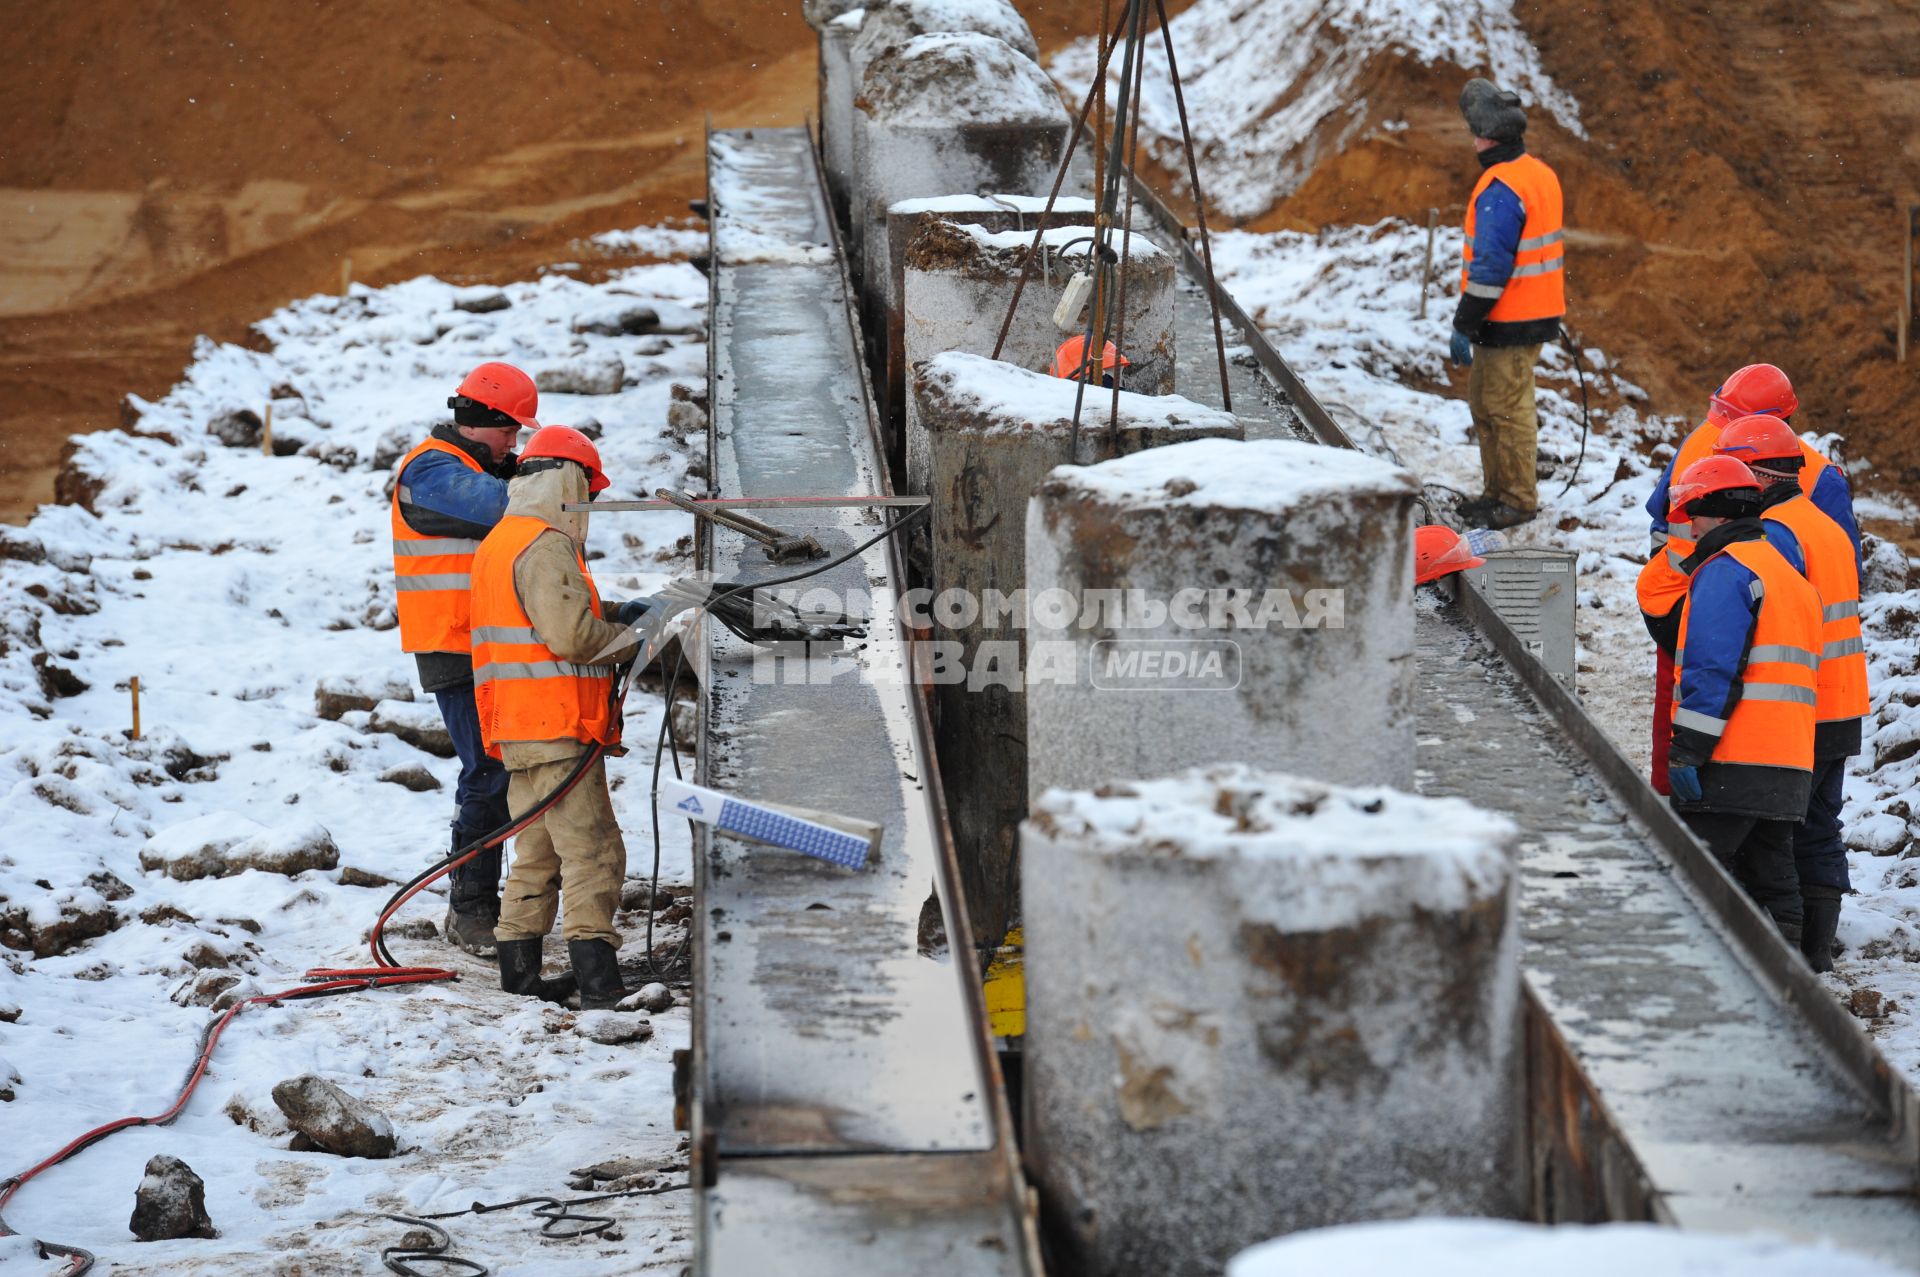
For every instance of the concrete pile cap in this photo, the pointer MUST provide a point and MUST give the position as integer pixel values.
(893, 22)
(974, 392)
(1500, 1248)
(1069, 241)
(958, 80)
(1269, 475)
(1334, 853)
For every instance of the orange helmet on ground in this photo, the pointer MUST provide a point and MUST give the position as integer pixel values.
(1757, 389)
(1440, 551)
(1708, 478)
(1758, 439)
(1071, 355)
(503, 388)
(564, 443)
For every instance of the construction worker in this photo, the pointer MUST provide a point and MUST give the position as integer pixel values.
(1512, 297)
(1772, 451)
(1070, 361)
(545, 650)
(447, 494)
(1747, 657)
(1440, 551)
(1757, 389)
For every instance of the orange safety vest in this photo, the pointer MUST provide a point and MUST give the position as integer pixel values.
(1772, 720)
(523, 690)
(1662, 584)
(432, 575)
(1835, 575)
(1537, 289)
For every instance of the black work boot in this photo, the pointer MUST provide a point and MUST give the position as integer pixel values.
(471, 932)
(1821, 921)
(597, 964)
(520, 972)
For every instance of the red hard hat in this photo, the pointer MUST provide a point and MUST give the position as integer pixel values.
(1072, 354)
(503, 388)
(1758, 438)
(1757, 389)
(1702, 478)
(1439, 551)
(567, 444)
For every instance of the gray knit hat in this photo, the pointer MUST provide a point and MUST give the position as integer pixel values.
(1492, 112)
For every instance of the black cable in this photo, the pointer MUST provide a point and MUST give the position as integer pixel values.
(1586, 420)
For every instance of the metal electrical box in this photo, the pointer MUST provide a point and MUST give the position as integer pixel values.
(1535, 592)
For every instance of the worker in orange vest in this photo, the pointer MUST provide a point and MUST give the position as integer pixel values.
(448, 493)
(1512, 297)
(1740, 765)
(545, 651)
(1755, 390)
(1070, 361)
(1772, 451)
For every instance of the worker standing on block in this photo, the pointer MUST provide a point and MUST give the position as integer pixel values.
(1747, 658)
(544, 652)
(1755, 390)
(447, 494)
(1512, 297)
(1070, 362)
(1772, 451)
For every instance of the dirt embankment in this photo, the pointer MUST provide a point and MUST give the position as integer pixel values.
(1740, 195)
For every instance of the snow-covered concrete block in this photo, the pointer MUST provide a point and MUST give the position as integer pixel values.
(416, 722)
(337, 694)
(1258, 1003)
(956, 112)
(993, 432)
(1500, 1248)
(223, 843)
(1268, 614)
(957, 281)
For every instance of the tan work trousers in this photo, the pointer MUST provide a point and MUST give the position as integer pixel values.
(575, 849)
(1500, 397)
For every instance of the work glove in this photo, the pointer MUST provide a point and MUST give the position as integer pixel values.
(631, 612)
(1460, 348)
(1685, 782)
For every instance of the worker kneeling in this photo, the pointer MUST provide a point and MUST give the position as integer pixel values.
(545, 650)
(1747, 657)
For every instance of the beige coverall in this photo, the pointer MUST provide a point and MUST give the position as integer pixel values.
(1500, 397)
(574, 849)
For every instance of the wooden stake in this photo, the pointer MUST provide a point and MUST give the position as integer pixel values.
(266, 432)
(133, 686)
(1906, 287)
(1426, 271)
(346, 276)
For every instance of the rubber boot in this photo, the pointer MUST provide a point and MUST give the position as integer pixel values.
(471, 933)
(520, 972)
(597, 964)
(1822, 920)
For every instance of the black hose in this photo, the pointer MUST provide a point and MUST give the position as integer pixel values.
(1586, 419)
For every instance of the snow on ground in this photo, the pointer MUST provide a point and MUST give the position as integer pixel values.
(1271, 86)
(1342, 305)
(231, 583)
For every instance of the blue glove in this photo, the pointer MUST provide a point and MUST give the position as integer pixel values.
(1685, 783)
(630, 612)
(1460, 349)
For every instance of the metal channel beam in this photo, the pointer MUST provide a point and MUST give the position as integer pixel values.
(848, 1111)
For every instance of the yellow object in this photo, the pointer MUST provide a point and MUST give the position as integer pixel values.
(1006, 988)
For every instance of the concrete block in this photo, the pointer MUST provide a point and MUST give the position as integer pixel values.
(838, 86)
(958, 281)
(1258, 1004)
(995, 431)
(954, 112)
(1285, 569)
